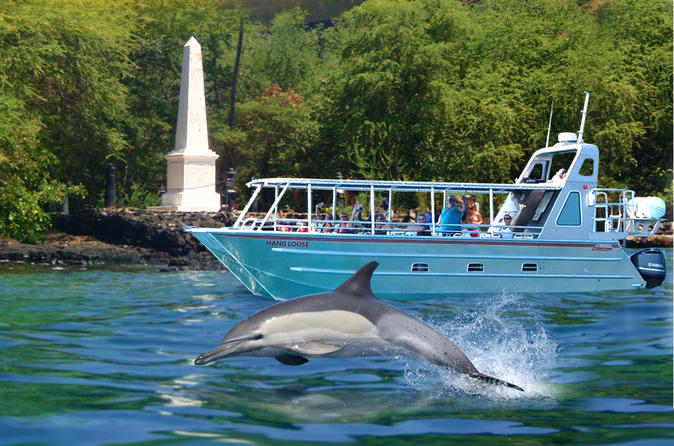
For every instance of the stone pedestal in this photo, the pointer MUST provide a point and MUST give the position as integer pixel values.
(191, 165)
(191, 183)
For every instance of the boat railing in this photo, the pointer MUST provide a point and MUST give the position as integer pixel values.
(273, 219)
(387, 228)
(613, 213)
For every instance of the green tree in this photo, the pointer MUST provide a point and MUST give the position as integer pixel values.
(65, 60)
(521, 56)
(276, 128)
(26, 187)
(638, 114)
(285, 53)
(395, 84)
(414, 89)
(275, 137)
(432, 88)
(61, 102)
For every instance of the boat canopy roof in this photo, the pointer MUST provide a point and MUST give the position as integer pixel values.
(401, 186)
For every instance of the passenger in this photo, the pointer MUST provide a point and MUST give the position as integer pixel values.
(405, 222)
(469, 204)
(429, 220)
(302, 226)
(357, 213)
(356, 216)
(381, 226)
(327, 225)
(559, 177)
(323, 221)
(472, 219)
(505, 230)
(383, 209)
(345, 226)
(424, 227)
(450, 218)
(283, 226)
(507, 220)
(317, 224)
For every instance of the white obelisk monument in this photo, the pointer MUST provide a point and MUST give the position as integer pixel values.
(191, 165)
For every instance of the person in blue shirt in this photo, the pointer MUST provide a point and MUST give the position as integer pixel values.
(450, 218)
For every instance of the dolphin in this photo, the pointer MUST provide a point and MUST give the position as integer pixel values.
(348, 321)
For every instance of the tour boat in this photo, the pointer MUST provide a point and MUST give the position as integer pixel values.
(565, 234)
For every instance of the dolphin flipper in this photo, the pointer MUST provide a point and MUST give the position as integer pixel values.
(289, 359)
(313, 348)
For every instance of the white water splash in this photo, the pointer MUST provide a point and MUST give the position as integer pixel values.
(505, 339)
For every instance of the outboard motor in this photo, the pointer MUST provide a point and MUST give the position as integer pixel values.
(651, 264)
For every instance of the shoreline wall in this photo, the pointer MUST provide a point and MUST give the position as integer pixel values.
(120, 237)
(156, 230)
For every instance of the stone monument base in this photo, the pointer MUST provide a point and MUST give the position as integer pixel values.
(191, 179)
(191, 201)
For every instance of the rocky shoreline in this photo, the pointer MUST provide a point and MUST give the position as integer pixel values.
(120, 237)
(154, 239)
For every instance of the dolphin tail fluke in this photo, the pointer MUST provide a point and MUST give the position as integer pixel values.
(496, 381)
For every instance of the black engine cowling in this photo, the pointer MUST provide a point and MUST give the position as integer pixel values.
(651, 264)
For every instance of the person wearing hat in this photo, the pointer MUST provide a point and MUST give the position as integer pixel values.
(381, 226)
(450, 218)
(471, 208)
(469, 204)
(383, 208)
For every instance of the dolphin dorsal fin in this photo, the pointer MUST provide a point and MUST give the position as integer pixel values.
(359, 284)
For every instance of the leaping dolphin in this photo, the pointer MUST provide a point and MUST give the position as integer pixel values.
(348, 321)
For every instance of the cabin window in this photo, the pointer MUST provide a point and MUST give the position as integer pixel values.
(420, 267)
(587, 169)
(529, 267)
(475, 267)
(536, 174)
(561, 161)
(570, 213)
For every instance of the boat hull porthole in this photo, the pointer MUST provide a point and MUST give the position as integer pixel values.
(529, 267)
(419, 267)
(475, 268)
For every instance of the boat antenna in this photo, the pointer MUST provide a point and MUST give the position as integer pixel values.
(552, 107)
(582, 122)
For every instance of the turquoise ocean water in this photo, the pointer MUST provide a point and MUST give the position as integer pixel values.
(93, 357)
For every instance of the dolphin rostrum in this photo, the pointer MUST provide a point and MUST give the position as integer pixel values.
(348, 321)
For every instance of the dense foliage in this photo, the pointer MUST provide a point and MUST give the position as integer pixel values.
(413, 89)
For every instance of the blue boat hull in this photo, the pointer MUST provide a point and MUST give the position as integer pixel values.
(284, 266)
